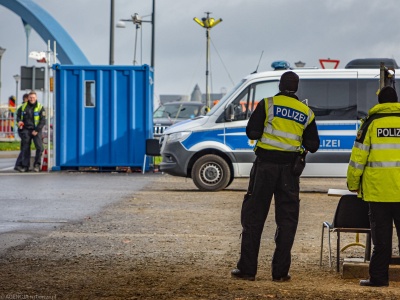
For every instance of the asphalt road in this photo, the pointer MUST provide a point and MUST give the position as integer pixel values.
(35, 203)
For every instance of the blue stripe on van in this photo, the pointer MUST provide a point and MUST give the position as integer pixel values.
(210, 135)
(333, 137)
(336, 143)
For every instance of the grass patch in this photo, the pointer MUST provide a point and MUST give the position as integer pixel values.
(10, 146)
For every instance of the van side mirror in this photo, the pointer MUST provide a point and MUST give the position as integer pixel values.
(229, 113)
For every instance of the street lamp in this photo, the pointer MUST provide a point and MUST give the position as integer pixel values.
(17, 78)
(112, 33)
(2, 50)
(137, 20)
(207, 23)
(27, 28)
(121, 24)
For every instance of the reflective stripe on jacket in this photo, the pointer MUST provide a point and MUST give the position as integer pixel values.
(36, 112)
(374, 167)
(284, 125)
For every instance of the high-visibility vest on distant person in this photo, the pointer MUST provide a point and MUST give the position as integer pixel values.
(286, 120)
(374, 167)
(36, 112)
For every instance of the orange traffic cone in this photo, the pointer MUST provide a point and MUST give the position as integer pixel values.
(44, 165)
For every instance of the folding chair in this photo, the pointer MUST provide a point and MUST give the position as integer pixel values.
(152, 149)
(351, 216)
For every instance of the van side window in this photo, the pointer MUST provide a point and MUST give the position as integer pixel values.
(340, 99)
(367, 97)
(244, 105)
(334, 99)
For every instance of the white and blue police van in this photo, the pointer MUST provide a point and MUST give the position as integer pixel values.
(214, 149)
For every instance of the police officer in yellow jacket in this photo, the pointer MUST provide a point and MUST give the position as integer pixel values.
(374, 172)
(31, 118)
(284, 128)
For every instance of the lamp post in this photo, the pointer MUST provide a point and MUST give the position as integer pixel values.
(207, 23)
(153, 22)
(137, 20)
(27, 28)
(112, 33)
(2, 50)
(17, 78)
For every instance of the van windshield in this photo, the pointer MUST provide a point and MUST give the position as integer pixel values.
(177, 111)
(226, 96)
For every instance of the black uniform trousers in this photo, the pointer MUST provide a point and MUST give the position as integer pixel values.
(267, 180)
(26, 140)
(18, 163)
(381, 216)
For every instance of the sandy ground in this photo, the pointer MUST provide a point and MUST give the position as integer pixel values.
(171, 241)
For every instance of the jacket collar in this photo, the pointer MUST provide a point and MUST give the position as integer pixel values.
(392, 107)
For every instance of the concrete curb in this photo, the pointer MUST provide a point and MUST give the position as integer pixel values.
(354, 269)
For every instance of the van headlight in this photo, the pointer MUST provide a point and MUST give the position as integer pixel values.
(178, 136)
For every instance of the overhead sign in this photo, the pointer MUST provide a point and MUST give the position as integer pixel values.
(32, 78)
(329, 63)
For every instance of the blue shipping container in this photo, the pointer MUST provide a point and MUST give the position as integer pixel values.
(103, 115)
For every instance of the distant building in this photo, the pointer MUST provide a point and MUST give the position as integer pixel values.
(196, 96)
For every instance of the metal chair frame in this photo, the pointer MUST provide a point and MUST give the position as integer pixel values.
(355, 224)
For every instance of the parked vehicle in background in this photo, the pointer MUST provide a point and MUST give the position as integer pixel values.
(214, 149)
(173, 112)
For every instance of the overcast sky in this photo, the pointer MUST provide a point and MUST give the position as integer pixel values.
(291, 30)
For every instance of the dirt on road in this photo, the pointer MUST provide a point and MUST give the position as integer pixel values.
(171, 241)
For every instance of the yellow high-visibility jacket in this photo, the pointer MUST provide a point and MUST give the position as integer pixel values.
(36, 112)
(284, 125)
(374, 167)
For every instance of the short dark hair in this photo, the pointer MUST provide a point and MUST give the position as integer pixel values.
(289, 82)
(387, 95)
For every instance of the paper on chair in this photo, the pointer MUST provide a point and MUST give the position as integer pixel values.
(339, 193)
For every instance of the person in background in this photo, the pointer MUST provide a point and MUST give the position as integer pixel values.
(285, 128)
(374, 173)
(31, 119)
(18, 163)
(11, 111)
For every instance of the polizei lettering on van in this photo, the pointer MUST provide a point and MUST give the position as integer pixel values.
(329, 143)
(290, 113)
(388, 132)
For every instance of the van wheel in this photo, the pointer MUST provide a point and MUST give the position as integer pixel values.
(230, 181)
(211, 173)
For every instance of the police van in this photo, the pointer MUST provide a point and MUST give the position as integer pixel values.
(214, 149)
